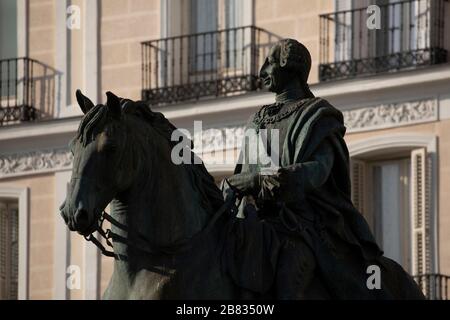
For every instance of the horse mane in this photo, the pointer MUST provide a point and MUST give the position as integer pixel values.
(96, 118)
(211, 196)
(91, 124)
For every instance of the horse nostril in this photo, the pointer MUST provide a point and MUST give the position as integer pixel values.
(81, 219)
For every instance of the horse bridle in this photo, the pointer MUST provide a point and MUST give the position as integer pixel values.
(142, 244)
(105, 234)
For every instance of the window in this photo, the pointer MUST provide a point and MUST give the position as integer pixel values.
(405, 26)
(408, 26)
(410, 35)
(9, 259)
(207, 16)
(393, 195)
(390, 216)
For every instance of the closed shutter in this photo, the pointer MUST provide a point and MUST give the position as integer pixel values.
(9, 253)
(421, 24)
(358, 178)
(3, 250)
(420, 210)
(14, 251)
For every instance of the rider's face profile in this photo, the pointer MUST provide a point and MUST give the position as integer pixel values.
(274, 77)
(271, 71)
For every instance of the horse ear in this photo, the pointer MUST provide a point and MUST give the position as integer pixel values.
(84, 102)
(113, 103)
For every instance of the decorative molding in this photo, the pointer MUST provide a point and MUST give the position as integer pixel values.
(391, 115)
(393, 141)
(219, 139)
(33, 162)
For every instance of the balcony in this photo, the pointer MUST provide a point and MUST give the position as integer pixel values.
(411, 35)
(434, 286)
(27, 90)
(203, 65)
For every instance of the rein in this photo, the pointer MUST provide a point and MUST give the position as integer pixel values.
(105, 234)
(143, 244)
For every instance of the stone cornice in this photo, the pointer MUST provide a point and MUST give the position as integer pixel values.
(32, 162)
(391, 115)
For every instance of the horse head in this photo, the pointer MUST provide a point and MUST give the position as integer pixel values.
(100, 171)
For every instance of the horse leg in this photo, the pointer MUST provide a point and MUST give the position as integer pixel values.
(118, 286)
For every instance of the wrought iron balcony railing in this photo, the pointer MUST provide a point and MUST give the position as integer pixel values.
(208, 64)
(434, 286)
(27, 90)
(410, 35)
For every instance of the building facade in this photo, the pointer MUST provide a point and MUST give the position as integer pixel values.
(383, 63)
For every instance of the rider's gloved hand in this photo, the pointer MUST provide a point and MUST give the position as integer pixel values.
(284, 184)
(244, 184)
(228, 191)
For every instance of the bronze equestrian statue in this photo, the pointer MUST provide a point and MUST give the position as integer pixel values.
(293, 234)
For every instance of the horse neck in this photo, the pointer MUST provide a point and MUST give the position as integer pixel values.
(163, 204)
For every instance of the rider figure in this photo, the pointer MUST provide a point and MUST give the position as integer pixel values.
(307, 200)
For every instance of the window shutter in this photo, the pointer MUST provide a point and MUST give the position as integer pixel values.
(14, 247)
(421, 24)
(3, 250)
(357, 175)
(9, 254)
(420, 210)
